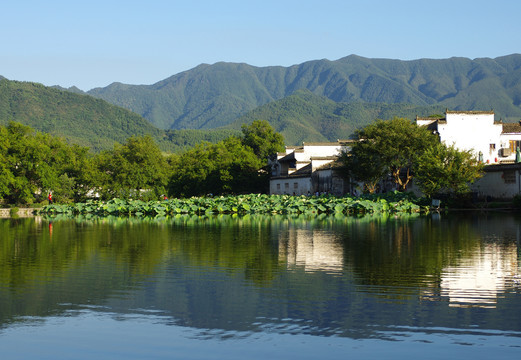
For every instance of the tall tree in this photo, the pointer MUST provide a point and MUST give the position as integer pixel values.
(33, 163)
(262, 138)
(389, 146)
(136, 168)
(445, 169)
(225, 167)
(363, 166)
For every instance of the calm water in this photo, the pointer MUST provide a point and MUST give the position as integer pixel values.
(261, 287)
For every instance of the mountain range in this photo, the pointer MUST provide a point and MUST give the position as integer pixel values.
(318, 100)
(211, 96)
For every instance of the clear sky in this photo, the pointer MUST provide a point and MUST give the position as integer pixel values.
(93, 43)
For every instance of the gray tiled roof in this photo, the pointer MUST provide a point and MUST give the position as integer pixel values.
(510, 128)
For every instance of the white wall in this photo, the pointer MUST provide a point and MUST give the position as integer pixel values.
(321, 149)
(472, 131)
(505, 143)
(290, 186)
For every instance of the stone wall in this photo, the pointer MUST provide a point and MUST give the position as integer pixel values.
(22, 212)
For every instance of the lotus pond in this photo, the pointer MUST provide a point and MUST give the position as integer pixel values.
(393, 202)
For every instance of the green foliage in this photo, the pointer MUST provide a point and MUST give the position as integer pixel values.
(392, 202)
(211, 96)
(225, 167)
(135, 169)
(33, 164)
(177, 141)
(363, 165)
(445, 169)
(80, 119)
(262, 139)
(304, 116)
(388, 147)
(87, 121)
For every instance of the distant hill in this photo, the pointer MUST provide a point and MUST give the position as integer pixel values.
(211, 96)
(305, 116)
(314, 101)
(85, 120)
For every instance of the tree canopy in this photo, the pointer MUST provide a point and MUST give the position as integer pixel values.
(225, 167)
(262, 139)
(136, 169)
(403, 149)
(445, 169)
(32, 164)
(388, 146)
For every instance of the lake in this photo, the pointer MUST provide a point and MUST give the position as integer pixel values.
(258, 287)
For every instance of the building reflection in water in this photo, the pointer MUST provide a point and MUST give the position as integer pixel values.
(476, 279)
(314, 250)
(479, 280)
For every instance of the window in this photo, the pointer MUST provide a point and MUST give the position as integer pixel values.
(514, 144)
(286, 186)
(295, 185)
(509, 177)
(278, 186)
(492, 148)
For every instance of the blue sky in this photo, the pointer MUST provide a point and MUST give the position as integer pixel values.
(94, 43)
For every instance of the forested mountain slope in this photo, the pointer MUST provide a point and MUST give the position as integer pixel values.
(305, 116)
(85, 120)
(211, 96)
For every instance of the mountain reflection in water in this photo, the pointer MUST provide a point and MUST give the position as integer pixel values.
(411, 278)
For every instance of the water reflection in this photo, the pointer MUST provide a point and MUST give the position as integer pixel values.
(385, 278)
(479, 280)
(314, 250)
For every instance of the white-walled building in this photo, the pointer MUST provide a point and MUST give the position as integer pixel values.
(308, 169)
(312, 168)
(491, 141)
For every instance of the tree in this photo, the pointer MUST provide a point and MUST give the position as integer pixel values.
(136, 168)
(225, 167)
(33, 163)
(262, 139)
(364, 166)
(389, 146)
(6, 175)
(445, 169)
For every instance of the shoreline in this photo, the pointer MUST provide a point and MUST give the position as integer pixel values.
(21, 212)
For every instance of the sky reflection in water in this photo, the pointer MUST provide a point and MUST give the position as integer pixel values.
(259, 287)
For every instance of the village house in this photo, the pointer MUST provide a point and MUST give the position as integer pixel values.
(495, 143)
(311, 168)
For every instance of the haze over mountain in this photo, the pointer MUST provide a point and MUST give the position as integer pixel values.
(211, 96)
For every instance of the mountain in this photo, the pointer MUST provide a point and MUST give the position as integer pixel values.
(305, 116)
(211, 96)
(314, 101)
(85, 120)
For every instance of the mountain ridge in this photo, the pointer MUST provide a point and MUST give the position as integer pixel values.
(211, 96)
(88, 121)
(317, 100)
